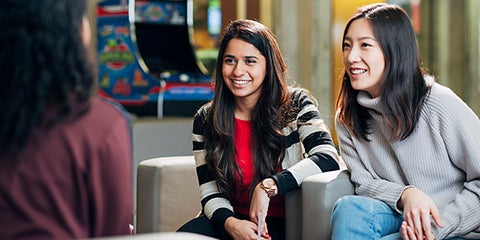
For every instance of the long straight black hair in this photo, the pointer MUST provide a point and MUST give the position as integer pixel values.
(403, 88)
(267, 117)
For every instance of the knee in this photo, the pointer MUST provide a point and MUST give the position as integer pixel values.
(351, 205)
(347, 205)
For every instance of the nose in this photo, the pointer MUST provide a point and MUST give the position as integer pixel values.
(239, 69)
(352, 55)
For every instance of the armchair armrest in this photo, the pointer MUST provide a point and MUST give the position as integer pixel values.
(168, 196)
(319, 194)
(167, 193)
(293, 215)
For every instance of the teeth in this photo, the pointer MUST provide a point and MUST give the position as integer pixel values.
(358, 71)
(241, 82)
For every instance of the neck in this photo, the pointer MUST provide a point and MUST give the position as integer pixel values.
(243, 109)
(242, 114)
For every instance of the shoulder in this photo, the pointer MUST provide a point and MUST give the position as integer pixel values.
(301, 96)
(106, 113)
(443, 104)
(200, 118)
(104, 119)
(339, 125)
(441, 98)
(202, 112)
(337, 117)
(106, 108)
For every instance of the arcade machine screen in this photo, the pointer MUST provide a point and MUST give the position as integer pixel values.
(163, 75)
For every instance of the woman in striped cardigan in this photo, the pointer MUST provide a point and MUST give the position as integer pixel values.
(256, 140)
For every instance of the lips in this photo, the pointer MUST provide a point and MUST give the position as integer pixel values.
(357, 71)
(240, 82)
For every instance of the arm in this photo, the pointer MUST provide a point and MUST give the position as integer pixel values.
(315, 138)
(111, 181)
(366, 180)
(366, 161)
(310, 150)
(460, 129)
(214, 204)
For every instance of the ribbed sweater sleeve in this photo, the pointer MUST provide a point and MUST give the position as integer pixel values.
(367, 180)
(440, 158)
(459, 126)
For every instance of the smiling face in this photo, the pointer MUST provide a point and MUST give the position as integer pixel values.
(243, 71)
(363, 58)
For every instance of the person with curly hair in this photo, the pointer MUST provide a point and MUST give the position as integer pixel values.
(65, 154)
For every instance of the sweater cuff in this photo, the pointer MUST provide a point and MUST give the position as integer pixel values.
(285, 182)
(400, 211)
(219, 217)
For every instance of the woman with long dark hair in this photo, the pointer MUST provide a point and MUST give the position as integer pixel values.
(65, 154)
(256, 140)
(410, 143)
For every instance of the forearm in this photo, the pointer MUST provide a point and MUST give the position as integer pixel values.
(211, 197)
(315, 141)
(110, 172)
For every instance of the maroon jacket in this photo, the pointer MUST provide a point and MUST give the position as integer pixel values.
(74, 181)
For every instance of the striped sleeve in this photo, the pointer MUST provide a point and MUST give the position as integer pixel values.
(214, 204)
(309, 137)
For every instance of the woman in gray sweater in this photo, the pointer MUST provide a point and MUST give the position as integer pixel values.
(410, 143)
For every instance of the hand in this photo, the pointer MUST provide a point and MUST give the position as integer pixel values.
(242, 229)
(407, 233)
(259, 206)
(417, 209)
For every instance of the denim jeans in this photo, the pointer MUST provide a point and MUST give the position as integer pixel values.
(357, 217)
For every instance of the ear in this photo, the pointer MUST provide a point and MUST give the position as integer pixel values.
(86, 31)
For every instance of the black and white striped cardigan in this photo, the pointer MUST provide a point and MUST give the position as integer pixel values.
(310, 151)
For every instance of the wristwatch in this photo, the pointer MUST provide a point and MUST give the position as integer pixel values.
(270, 187)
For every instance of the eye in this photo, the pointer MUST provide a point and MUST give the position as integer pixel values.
(250, 61)
(365, 45)
(345, 45)
(229, 61)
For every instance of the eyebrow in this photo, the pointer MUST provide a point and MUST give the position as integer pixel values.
(362, 38)
(246, 57)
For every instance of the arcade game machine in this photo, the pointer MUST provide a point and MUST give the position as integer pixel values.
(147, 59)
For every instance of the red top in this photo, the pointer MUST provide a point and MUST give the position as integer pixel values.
(242, 134)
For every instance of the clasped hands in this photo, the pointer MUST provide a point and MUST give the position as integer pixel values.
(248, 229)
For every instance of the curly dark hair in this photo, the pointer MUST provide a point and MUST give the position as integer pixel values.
(268, 117)
(44, 63)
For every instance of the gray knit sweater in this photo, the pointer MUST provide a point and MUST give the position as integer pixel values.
(441, 157)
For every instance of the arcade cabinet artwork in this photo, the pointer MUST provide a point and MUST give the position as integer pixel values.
(146, 58)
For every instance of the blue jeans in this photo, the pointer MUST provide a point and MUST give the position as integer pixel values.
(357, 217)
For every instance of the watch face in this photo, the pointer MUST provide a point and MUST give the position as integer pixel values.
(268, 183)
(269, 186)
